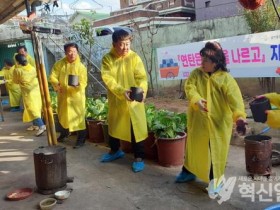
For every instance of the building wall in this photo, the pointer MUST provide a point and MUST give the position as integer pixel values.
(187, 33)
(216, 9)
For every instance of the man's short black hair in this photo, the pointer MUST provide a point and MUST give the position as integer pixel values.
(8, 62)
(71, 44)
(121, 34)
(21, 47)
(21, 59)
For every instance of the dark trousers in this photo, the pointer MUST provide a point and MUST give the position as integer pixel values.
(138, 148)
(81, 134)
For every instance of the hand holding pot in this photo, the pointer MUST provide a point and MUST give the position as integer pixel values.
(127, 95)
(202, 104)
(259, 96)
(241, 126)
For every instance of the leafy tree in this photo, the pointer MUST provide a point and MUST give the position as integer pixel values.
(265, 18)
(86, 31)
(262, 19)
(148, 53)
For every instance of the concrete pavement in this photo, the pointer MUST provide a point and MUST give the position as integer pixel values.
(113, 186)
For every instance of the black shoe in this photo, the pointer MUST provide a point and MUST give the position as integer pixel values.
(62, 137)
(78, 145)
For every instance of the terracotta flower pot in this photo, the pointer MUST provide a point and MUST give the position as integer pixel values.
(95, 132)
(171, 152)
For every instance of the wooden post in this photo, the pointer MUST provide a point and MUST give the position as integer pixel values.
(44, 88)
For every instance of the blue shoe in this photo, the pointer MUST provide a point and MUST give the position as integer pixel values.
(212, 191)
(110, 157)
(138, 166)
(184, 177)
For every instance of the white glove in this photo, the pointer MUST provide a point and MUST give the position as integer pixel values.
(202, 104)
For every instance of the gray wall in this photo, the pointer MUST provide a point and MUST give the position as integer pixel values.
(216, 9)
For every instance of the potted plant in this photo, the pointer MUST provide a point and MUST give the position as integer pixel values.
(169, 130)
(96, 115)
(149, 144)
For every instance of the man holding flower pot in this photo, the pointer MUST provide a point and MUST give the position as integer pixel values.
(122, 69)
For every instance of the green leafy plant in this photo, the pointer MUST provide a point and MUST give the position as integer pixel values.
(150, 110)
(97, 109)
(53, 96)
(167, 124)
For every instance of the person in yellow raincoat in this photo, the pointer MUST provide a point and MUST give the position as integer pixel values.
(215, 102)
(23, 51)
(13, 89)
(273, 116)
(71, 100)
(121, 69)
(26, 76)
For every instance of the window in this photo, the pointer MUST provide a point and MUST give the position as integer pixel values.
(207, 4)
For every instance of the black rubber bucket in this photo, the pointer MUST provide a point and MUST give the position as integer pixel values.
(258, 153)
(50, 169)
(258, 108)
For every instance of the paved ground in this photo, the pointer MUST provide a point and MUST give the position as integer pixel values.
(113, 186)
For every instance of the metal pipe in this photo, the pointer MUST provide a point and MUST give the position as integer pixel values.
(275, 8)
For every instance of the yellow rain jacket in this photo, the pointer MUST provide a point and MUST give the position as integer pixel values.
(209, 133)
(119, 74)
(2, 75)
(12, 88)
(72, 100)
(273, 116)
(26, 77)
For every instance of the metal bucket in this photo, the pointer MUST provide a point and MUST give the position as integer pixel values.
(258, 152)
(50, 168)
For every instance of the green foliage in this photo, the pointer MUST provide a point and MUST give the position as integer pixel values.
(150, 110)
(86, 31)
(53, 96)
(167, 124)
(262, 19)
(97, 109)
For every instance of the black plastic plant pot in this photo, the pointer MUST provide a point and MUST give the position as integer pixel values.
(73, 80)
(136, 94)
(258, 108)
